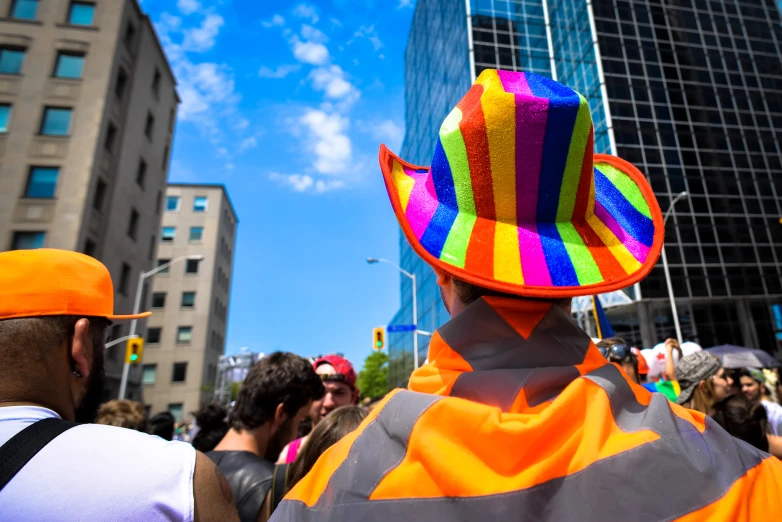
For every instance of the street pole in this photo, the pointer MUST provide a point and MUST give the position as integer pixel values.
(682, 195)
(137, 306)
(373, 260)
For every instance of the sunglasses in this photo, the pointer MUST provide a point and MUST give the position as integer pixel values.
(617, 351)
(333, 377)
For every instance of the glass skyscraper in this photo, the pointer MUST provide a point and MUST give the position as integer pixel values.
(690, 91)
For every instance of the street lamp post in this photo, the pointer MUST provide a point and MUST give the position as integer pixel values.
(372, 261)
(682, 195)
(137, 306)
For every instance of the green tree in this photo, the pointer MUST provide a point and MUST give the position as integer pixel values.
(373, 377)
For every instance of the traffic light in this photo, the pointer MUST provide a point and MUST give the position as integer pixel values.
(379, 338)
(134, 351)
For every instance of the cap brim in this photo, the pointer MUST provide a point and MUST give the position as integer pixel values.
(142, 315)
(615, 246)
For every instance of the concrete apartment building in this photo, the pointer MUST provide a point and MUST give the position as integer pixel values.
(186, 334)
(87, 110)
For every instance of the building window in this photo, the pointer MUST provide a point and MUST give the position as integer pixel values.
(89, 248)
(24, 9)
(111, 137)
(196, 234)
(133, 224)
(124, 279)
(184, 334)
(5, 115)
(122, 83)
(149, 126)
(11, 61)
(81, 13)
(149, 374)
(172, 203)
(159, 300)
(188, 299)
(141, 173)
(168, 235)
(175, 409)
(200, 203)
(27, 240)
(69, 65)
(156, 82)
(153, 335)
(130, 35)
(161, 262)
(56, 121)
(100, 193)
(191, 266)
(41, 182)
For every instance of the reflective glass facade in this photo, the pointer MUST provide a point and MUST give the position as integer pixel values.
(695, 89)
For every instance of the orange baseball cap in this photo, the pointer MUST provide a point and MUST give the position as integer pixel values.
(36, 283)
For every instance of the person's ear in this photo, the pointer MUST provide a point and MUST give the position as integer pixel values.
(81, 348)
(701, 384)
(279, 416)
(443, 278)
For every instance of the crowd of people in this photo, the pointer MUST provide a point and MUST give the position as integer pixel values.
(516, 413)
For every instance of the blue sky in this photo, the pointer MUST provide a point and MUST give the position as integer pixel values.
(286, 103)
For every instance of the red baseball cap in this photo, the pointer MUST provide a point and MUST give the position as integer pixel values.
(343, 367)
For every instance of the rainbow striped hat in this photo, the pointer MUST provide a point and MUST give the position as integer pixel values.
(517, 201)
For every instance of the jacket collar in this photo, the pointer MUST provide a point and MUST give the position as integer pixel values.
(506, 352)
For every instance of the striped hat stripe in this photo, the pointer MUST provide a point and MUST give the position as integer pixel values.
(455, 248)
(629, 190)
(421, 207)
(559, 264)
(534, 265)
(639, 250)
(456, 153)
(442, 177)
(405, 183)
(575, 158)
(477, 144)
(617, 249)
(581, 256)
(439, 227)
(631, 220)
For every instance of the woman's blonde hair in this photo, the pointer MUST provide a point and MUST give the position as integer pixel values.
(123, 413)
(702, 398)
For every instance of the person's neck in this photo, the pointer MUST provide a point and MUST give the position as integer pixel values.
(255, 441)
(64, 411)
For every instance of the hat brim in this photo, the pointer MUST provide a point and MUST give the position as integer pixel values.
(605, 251)
(130, 317)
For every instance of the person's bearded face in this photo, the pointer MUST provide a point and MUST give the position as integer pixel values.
(281, 438)
(87, 409)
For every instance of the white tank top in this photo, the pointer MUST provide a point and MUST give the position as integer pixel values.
(94, 472)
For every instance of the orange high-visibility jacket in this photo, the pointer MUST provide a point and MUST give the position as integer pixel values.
(519, 417)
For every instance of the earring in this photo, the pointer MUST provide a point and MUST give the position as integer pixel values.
(77, 373)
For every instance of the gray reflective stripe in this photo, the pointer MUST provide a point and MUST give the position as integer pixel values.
(377, 450)
(501, 387)
(681, 472)
(485, 340)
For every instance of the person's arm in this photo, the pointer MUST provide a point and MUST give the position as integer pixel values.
(670, 365)
(775, 446)
(212, 494)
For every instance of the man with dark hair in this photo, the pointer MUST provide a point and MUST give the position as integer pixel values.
(274, 398)
(162, 425)
(55, 310)
(517, 415)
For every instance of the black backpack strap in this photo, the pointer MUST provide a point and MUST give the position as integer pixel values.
(278, 484)
(23, 446)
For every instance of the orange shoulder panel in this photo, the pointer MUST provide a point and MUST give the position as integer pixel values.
(755, 496)
(454, 435)
(446, 366)
(312, 486)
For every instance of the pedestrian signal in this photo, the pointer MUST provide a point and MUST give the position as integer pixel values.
(134, 351)
(379, 338)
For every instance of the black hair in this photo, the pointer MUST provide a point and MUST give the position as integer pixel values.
(279, 378)
(468, 293)
(162, 425)
(212, 426)
(743, 420)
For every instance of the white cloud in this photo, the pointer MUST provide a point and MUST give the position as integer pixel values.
(310, 52)
(313, 35)
(304, 183)
(388, 132)
(248, 143)
(280, 72)
(276, 20)
(328, 141)
(331, 80)
(200, 39)
(370, 34)
(306, 11)
(203, 85)
(405, 3)
(188, 6)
